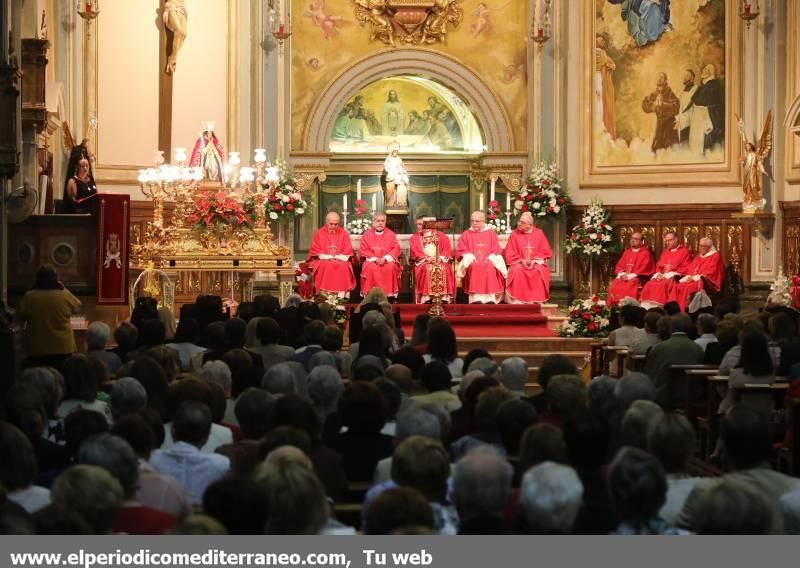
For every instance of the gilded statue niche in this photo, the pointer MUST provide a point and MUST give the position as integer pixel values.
(417, 22)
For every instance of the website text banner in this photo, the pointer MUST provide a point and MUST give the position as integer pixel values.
(378, 552)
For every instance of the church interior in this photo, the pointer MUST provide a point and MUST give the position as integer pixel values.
(632, 167)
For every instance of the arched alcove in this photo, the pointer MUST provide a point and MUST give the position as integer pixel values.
(443, 69)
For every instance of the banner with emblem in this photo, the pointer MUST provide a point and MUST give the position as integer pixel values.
(113, 247)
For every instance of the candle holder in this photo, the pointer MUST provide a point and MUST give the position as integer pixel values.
(540, 33)
(508, 222)
(88, 10)
(344, 216)
(749, 12)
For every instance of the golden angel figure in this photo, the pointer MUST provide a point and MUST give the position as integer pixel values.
(753, 159)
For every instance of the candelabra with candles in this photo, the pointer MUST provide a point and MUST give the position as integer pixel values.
(170, 182)
(749, 11)
(279, 28)
(540, 30)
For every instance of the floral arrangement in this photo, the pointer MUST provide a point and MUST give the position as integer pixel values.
(587, 318)
(338, 307)
(781, 289)
(218, 210)
(360, 223)
(594, 234)
(495, 218)
(302, 276)
(284, 200)
(544, 194)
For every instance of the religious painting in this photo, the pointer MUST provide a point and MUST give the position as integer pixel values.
(659, 89)
(418, 114)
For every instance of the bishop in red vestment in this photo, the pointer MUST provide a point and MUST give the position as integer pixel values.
(526, 255)
(329, 258)
(673, 262)
(482, 266)
(634, 264)
(423, 245)
(705, 272)
(380, 258)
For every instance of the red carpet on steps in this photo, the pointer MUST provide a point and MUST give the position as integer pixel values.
(485, 320)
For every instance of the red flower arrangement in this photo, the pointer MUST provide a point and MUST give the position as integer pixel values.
(217, 210)
(360, 223)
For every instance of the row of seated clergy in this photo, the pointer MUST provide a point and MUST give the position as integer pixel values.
(675, 277)
(519, 274)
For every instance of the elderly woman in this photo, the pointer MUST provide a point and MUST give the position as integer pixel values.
(96, 341)
(550, 498)
(90, 492)
(45, 310)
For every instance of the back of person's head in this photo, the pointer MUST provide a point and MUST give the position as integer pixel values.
(188, 331)
(566, 395)
(16, 454)
(253, 411)
(755, 359)
(681, 322)
(80, 425)
(706, 323)
(600, 394)
(637, 486)
(551, 496)
(372, 316)
(218, 373)
(214, 337)
(541, 443)
(192, 423)
(268, 331)
(514, 417)
(586, 436)
(279, 380)
(391, 394)
(324, 389)
(167, 358)
(436, 377)
(514, 374)
(97, 335)
(410, 358)
(323, 358)
(473, 354)
(727, 334)
(296, 502)
(732, 507)
(632, 387)
(188, 390)
(671, 439)
(115, 455)
(637, 421)
(476, 389)
(664, 327)
(312, 332)
(79, 380)
(651, 322)
(24, 407)
(672, 308)
(154, 379)
(285, 440)
(244, 373)
(46, 278)
(552, 365)
(488, 406)
(481, 483)
(291, 410)
(419, 332)
(367, 368)
(629, 315)
(442, 340)
(91, 492)
(127, 397)
(55, 520)
(332, 338)
(375, 340)
(782, 328)
(126, 335)
(401, 376)
(746, 438)
(396, 509)
(50, 383)
(152, 333)
(362, 408)
(417, 421)
(139, 434)
(484, 364)
(265, 305)
(239, 503)
(424, 464)
(235, 333)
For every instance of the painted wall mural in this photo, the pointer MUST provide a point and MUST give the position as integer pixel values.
(487, 37)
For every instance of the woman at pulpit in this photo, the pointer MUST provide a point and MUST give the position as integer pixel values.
(79, 187)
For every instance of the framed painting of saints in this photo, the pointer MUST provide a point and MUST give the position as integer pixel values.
(660, 86)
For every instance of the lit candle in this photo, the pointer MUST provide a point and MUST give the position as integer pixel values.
(481, 203)
(358, 189)
(508, 201)
(88, 7)
(747, 8)
(374, 202)
(344, 202)
(491, 194)
(540, 32)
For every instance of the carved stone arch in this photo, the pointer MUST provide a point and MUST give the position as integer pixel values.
(448, 71)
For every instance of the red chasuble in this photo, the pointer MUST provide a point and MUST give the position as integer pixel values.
(527, 284)
(639, 262)
(331, 274)
(657, 292)
(711, 271)
(420, 261)
(376, 270)
(481, 277)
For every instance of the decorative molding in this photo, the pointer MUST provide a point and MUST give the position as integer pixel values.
(792, 121)
(791, 236)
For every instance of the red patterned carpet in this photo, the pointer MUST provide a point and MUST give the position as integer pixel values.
(485, 320)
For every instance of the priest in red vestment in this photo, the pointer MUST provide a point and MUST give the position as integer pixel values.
(673, 262)
(380, 258)
(329, 258)
(634, 264)
(526, 255)
(705, 272)
(423, 249)
(482, 266)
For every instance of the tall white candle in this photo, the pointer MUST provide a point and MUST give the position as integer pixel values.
(481, 203)
(344, 202)
(374, 202)
(358, 189)
(508, 201)
(491, 193)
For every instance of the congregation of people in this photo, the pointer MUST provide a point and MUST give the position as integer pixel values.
(267, 423)
(518, 274)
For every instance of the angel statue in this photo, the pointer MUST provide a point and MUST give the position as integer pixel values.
(753, 163)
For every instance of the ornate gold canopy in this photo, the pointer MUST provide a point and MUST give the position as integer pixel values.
(418, 22)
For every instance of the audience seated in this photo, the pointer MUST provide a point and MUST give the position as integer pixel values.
(398, 509)
(679, 349)
(92, 493)
(185, 341)
(642, 343)
(436, 379)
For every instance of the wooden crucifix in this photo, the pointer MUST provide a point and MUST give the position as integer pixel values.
(173, 19)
